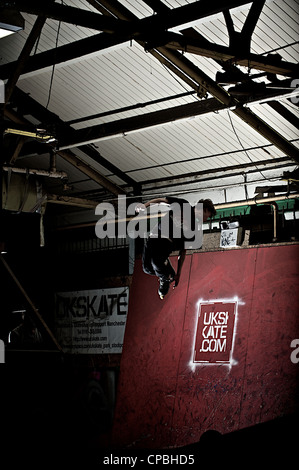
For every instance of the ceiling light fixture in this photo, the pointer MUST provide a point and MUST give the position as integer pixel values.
(40, 134)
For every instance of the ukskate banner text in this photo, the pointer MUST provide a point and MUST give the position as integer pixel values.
(92, 321)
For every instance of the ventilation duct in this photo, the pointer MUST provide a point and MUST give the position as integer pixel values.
(21, 193)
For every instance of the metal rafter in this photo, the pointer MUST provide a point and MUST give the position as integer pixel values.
(73, 159)
(204, 48)
(240, 41)
(67, 14)
(284, 112)
(42, 114)
(20, 63)
(201, 81)
(123, 126)
(247, 30)
(185, 69)
(175, 17)
(193, 42)
(149, 31)
(65, 53)
(226, 172)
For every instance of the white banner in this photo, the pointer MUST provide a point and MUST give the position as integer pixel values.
(92, 321)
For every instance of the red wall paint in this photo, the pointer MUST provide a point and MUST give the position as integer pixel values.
(166, 400)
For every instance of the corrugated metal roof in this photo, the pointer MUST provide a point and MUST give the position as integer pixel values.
(111, 80)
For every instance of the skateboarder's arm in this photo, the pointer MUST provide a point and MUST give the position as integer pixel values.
(159, 200)
(181, 260)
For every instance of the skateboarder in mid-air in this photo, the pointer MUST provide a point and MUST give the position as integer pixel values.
(182, 220)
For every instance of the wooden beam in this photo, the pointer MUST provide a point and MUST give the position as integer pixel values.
(122, 126)
(66, 53)
(132, 28)
(23, 57)
(204, 48)
(174, 41)
(204, 82)
(31, 106)
(252, 18)
(175, 16)
(284, 112)
(227, 171)
(17, 150)
(195, 43)
(224, 97)
(268, 132)
(74, 160)
(71, 201)
(67, 14)
(30, 303)
(90, 172)
(143, 121)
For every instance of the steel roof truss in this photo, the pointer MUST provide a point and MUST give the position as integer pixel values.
(79, 17)
(204, 81)
(127, 29)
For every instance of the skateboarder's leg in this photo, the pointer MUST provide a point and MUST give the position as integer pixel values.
(155, 260)
(154, 257)
(162, 267)
(147, 259)
(160, 251)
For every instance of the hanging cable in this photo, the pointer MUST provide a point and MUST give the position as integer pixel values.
(196, 98)
(53, 68)
(244, 150)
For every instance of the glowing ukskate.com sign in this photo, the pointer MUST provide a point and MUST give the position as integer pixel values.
(214, 337)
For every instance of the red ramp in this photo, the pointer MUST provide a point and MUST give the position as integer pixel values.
(215, 353)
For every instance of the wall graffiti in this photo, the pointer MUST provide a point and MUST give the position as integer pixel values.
(214, 333)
